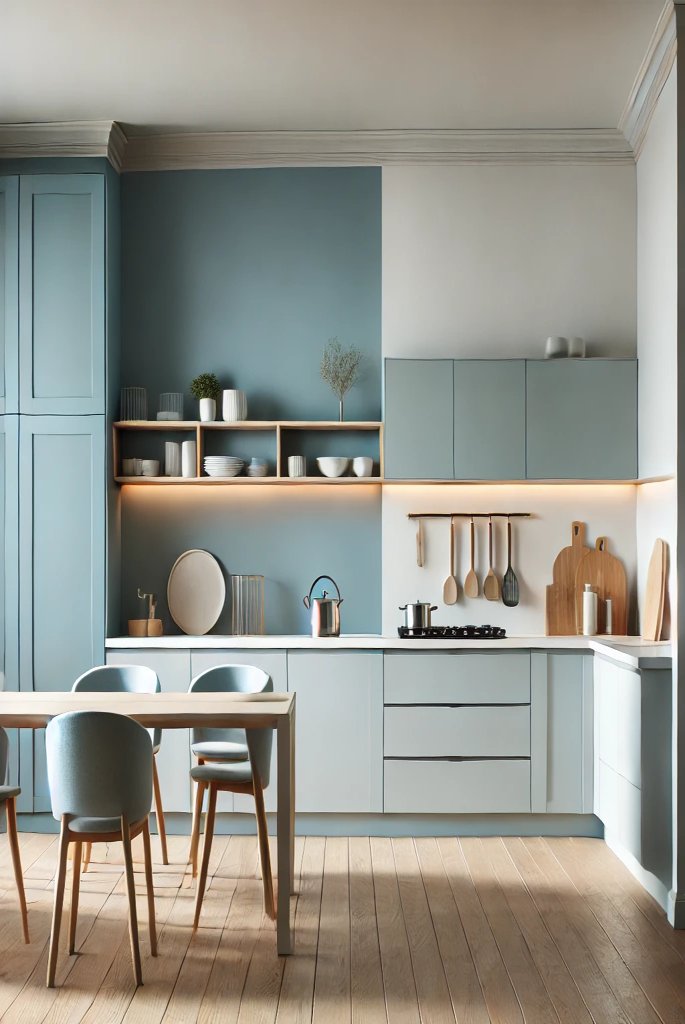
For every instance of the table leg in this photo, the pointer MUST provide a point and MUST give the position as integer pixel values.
(285, 827)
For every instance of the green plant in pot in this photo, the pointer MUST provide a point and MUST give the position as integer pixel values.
(340, 369)
(206, 388)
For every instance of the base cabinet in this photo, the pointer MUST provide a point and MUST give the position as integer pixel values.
(476, 786)
(339, 728)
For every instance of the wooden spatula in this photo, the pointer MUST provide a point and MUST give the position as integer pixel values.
(491, 583)
(471, 585)
(450, 590)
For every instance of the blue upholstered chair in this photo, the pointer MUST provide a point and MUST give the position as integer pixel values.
(129, 679)
(8, 796)
(100, 779)
(234, 761)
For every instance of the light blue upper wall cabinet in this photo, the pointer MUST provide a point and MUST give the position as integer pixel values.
(61, 561)
(419, 427)
(582, 419)
(9, 298)
(62, 294)
(9, 567)
(489, 419)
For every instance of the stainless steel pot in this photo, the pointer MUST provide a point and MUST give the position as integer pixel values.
(418, 615)
(325, 610)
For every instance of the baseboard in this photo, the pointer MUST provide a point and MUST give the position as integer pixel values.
(389, 825)
(649, 881)
(676, 909)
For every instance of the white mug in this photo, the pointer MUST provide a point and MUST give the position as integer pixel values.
(172, 458)
(128, 467)
(556, 348)
(576, 348)
(150, 467)
(188, 459)
(362, 465)
(297, 465)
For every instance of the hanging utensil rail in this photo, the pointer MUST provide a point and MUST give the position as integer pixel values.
(469, 515)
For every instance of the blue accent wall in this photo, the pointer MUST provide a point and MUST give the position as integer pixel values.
(248, 273)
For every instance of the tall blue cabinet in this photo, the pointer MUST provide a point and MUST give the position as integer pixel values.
(58, 278)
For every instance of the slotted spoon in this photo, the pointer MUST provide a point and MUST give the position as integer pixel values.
(510, 583)
(450, 590)
(491, 583)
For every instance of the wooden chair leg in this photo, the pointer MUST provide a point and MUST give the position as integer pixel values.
(86, 855)
(206, 850)
(75, 886)
(264, 851)
(152, 925)
(195, 830)
(11, 812)
(159, 811)
(131, 890)
(59, 899)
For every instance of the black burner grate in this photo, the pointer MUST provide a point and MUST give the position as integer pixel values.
(452, 633)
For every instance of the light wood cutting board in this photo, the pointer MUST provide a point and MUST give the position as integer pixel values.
(561, 595)
(607, 577)
(655, 593)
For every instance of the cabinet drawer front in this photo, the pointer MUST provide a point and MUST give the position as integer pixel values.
(482, 678)
(457, 787)
(457, 732)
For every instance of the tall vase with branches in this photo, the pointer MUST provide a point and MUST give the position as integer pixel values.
(340, 369)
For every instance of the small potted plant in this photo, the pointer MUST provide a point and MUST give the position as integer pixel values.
(340, 369)
(206, 388)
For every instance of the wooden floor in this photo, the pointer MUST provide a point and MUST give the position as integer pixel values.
(425, 930)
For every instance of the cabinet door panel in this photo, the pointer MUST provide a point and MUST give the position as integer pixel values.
(273, 662)
(457, 787)
(582, 419)
(9, 578)
(457, 678)
(173, 759)
(561, 736)
(419, 428)
(61, 559)
(62, 294)
(339, 715)
(490, 419)
(9, 297)
(457, 732)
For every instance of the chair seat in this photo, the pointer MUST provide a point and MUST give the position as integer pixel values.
(102, 825)
(7, 792)
(222, 772)
(224, 751)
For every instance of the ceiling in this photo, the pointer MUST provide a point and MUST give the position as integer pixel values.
(260, 65)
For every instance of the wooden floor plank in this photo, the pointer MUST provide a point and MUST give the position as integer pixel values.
(596, 991)
(500, 998)
(435, 1005)
(401, 1002)
(332, 992)
(366, 972)
(297, 989)
(535, 1001)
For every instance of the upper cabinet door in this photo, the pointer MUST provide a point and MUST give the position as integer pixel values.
(419, 425)
(582, 419)
(9, 297)
(62, 294)
(490, 419)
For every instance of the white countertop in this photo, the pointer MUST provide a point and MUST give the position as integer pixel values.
(631, 651)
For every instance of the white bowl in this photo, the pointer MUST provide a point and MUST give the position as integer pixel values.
(332, 465)
(362, 465)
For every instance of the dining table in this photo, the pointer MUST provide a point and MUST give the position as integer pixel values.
(30, 710)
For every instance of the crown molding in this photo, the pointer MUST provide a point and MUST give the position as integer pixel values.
(650, 80)
(325, 148)
(62, 138)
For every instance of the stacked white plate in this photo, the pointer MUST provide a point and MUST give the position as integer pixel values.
(223, 465)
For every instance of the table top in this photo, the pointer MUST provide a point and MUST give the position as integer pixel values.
(157, 710)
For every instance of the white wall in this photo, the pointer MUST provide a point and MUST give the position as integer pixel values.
(657, 267)
(490, 260)
(608, 510)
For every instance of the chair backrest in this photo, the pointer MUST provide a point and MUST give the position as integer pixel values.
(121, 679)
(4, 755)
(99, 766)
(238, 679)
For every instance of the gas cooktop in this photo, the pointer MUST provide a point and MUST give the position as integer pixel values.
(452, 633)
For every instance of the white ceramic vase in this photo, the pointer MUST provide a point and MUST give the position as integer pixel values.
(234, 406)
(188, 456)
(207, 410)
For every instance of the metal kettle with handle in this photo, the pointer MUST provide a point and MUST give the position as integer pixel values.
(324, 610)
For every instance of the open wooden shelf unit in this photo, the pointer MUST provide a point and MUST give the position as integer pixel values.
(199, 431)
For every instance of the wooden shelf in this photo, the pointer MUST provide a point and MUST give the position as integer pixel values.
(312, 425)
(214, 481)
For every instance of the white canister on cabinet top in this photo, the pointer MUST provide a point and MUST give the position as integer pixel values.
(589, 611)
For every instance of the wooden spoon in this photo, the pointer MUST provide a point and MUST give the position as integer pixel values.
(450, 590)
(491, 583)
(471, 585)
(510, 583)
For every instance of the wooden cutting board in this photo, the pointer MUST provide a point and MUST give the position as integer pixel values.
(607, 577)
(561, 595)
(655, 593)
